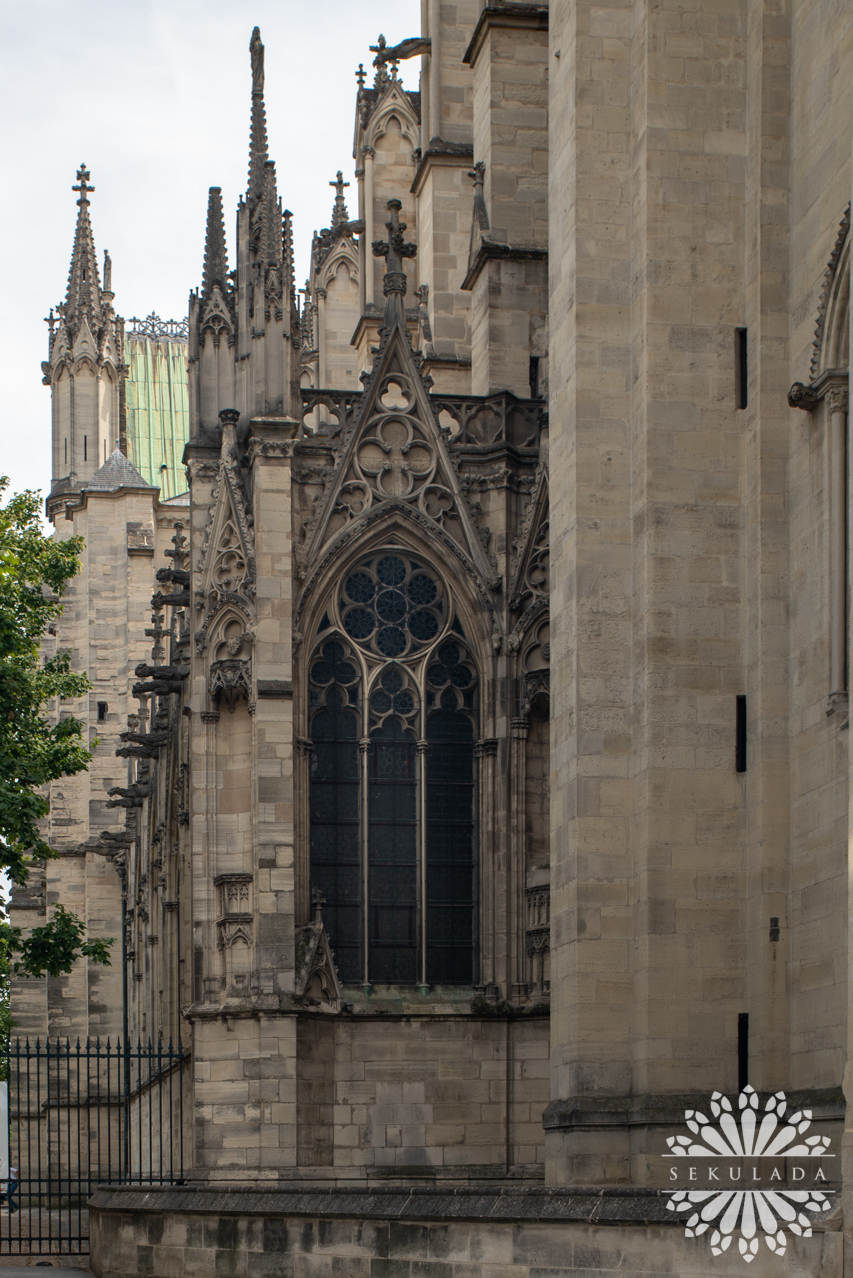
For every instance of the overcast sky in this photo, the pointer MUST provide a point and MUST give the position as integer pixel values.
(154, 97)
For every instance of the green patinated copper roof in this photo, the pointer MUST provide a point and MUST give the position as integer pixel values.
(157, 409)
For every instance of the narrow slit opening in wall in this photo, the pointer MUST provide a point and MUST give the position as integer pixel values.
(85, 447)
(105, 450)
(66, 449)
(534, 376)
(740, 734)
(741, 370)
(742, 1050)
(102, 711)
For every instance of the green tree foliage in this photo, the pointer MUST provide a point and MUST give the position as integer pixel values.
(35, 746)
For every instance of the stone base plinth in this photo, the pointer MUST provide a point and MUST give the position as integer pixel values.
(417, 1232)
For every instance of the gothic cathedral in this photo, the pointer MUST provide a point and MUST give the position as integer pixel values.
(472, 783)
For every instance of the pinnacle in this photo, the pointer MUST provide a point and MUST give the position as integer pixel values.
(83, 296)
(215, 249)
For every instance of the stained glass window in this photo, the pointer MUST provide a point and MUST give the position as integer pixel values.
(392, 606)
(392, 855)
(450, 820)
(335, 851)
(399, 887)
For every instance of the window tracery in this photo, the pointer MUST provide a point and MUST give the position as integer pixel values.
(392, 606)
(393, 724)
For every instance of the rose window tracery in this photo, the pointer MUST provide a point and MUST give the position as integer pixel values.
(392, 606)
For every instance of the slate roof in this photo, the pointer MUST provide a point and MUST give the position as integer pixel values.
(116, 472)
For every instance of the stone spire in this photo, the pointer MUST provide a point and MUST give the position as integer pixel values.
(83, 295)
(340, 216)
(258, 149)
(243, 327)
(215, 250)
(85, 366)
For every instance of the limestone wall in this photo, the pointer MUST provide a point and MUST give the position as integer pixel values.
(438, 1093)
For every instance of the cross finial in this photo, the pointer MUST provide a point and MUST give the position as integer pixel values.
(340, 216)
(360, 75)
(339, 185)
(83, 176)
(394, 248)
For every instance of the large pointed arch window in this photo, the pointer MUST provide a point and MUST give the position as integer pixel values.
(393, 723)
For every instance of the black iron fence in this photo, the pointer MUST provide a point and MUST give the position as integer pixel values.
(82, 1115)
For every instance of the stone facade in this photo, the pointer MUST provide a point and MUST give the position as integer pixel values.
(419, 921)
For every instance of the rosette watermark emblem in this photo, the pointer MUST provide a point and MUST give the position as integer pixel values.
(746, 1146)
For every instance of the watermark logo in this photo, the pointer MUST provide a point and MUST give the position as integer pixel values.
(741, 1172)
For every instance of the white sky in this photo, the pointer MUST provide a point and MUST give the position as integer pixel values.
(154, 96)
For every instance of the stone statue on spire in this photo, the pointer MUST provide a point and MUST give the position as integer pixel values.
(256, 49)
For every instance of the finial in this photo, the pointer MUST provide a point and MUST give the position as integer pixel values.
(381, 77)
(51, 322)
(318, 901)
(340, 216)
(394, 249)
(395, 62)
(181, 551)
(360, 75)
(156, 631)
(83, 176)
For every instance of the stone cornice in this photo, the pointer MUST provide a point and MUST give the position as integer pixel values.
(666, 1109)
(519, 17)
(501, 1202)
(494, 251)
(441, 155)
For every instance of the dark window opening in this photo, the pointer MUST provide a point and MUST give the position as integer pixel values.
(102, 711)
(742, 1050)
(774, 929)
(85, 448)
(741, 369)
(450, 845)
(392, 856)
(335, 859)
(392, 816)
(740, 734)
(66, 450)
(534, 376)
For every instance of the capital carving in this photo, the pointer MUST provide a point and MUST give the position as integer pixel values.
(837, 399)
